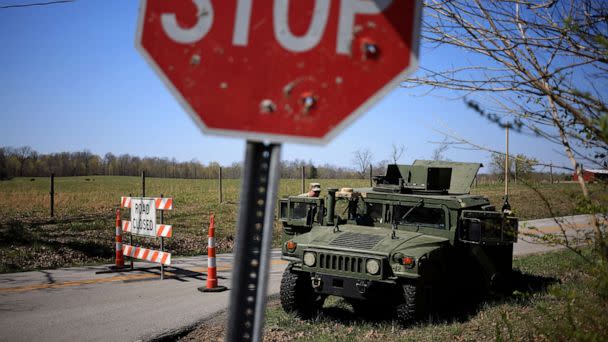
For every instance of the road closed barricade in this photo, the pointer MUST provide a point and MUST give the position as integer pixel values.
(144, 223)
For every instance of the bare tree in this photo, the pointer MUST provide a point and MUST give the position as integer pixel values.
(22, 154)
(519, 163)
(362, 159)
(541, 67)
(439, 151)
(396, 152)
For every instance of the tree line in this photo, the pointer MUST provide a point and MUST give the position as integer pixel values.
(26, 162)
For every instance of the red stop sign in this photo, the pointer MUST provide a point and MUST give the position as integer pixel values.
(279, 70)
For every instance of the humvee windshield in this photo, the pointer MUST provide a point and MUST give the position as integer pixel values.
(374, 211)
(376, 214)
(299, 210)
(424, 216)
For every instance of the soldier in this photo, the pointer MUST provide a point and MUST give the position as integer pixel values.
(313, 191)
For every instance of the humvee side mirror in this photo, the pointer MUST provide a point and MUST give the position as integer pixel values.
(471, 230)
(475, 230)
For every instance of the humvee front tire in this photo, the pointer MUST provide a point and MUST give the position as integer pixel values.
(409, 309)
(297, 294)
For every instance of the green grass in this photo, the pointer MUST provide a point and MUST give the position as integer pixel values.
(24, 215)
(556, 300)
(28, 240)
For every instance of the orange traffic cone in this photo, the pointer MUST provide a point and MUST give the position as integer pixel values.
(120, 261)
(211, 265)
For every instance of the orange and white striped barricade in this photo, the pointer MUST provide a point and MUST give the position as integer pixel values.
(212, 285)
(143, 223)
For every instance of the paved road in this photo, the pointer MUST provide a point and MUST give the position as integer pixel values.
(76, 304)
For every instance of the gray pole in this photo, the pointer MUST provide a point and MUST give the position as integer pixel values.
(254, 239)
(220, 185)
(52, 193)
(551, 173)
(370, 175)
(303, 179)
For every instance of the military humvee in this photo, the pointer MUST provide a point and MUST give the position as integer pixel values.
(415, 236)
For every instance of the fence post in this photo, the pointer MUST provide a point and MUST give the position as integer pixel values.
(220, 185)
(370, 175)
(303, 177)
(143, 183)
(551, 173)
(52, 193)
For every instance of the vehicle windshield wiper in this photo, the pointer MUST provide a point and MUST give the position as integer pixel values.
(395, 222)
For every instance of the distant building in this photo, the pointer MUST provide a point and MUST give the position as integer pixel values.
(593, 175)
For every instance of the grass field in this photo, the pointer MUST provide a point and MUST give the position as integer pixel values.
(559, 297)
(83, 230)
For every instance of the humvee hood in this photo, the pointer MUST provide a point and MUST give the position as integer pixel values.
(367, 239)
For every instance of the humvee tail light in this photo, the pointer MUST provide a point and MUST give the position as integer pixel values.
(408, 262)
(309, 259)
(291, 246)
(372, 266)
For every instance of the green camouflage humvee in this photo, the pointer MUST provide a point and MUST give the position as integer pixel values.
(416, 236)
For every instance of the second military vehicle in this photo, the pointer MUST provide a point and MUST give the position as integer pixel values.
(417, 237)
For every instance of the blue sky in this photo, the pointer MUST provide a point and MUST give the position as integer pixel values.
(71, 79)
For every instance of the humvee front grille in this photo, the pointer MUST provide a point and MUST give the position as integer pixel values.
(356, 240)
(341, 263)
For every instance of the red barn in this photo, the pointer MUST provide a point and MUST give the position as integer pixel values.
(592, 175)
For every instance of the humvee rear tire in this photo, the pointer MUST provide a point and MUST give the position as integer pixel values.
(297, 294)
(408, 310)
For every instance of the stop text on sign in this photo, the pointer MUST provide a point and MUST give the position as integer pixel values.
(143, 216)
(349, 9)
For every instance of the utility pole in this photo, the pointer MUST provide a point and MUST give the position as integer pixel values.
(507, 165)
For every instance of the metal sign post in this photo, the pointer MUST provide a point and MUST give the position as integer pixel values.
(253, 243)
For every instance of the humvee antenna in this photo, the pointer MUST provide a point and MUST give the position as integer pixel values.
(506, 207)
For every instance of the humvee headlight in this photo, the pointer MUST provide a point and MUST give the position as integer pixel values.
(309, 259)
(372, 266)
